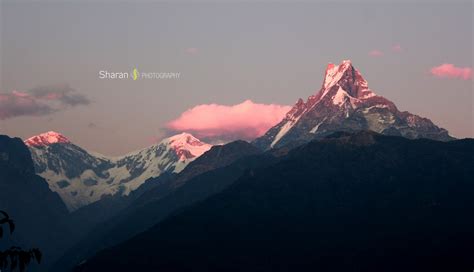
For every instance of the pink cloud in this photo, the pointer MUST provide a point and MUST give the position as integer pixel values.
(397, 48)
(448, 70)
(16, 103)
(39, 101)
(375, 53)
(246, 120)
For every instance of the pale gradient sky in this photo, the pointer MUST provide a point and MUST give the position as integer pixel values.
(226, 53)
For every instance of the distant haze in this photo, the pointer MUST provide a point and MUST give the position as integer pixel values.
(230, 57)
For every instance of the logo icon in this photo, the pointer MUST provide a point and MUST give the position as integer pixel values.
(135, 74)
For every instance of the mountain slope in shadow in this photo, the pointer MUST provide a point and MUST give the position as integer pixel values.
(36, 210)
(207, 175)
(352, 202)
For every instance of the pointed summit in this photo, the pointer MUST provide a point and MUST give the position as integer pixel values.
(45, 139)
(347, 77)
(345, 103)
(335, 72)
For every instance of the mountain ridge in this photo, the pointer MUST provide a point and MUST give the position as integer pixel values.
(82, 177)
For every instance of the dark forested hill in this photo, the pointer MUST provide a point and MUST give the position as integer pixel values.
(351, 202)
(207, 175)
(27, 199)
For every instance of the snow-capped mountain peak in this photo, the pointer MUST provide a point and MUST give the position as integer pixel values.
(345, 103)
(184, 137)
(81, 177)
(45, 139)
(187, 146)
(184, 145)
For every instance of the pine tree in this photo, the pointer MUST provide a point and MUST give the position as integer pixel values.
(15, 258)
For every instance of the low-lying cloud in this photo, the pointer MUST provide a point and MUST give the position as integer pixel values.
(448, 70)
(213, 122)
(39, 101)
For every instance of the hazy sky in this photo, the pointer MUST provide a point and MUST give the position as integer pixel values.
(226, 53)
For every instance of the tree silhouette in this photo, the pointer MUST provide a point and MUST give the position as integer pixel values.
(15, 258)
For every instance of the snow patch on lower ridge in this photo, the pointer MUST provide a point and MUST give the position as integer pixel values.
(315, 128)
(284, 129)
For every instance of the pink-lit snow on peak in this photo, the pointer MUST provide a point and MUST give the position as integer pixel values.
(183, 138)
(45, 139)
(336, 73)
(187, 146)
(330, 66)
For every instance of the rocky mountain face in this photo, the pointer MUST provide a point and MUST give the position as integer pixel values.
(345, 103)
(81, 177)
